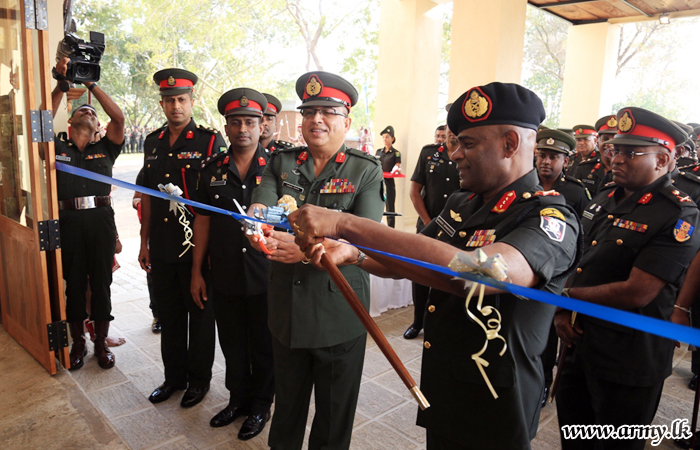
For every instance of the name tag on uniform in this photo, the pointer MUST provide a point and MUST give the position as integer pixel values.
(446, 227)
(151, 158)
(588, 215)
(218, 183)
(95, 156)
(293, 187)
(63, 158)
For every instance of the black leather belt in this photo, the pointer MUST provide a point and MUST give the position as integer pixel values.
(89, 202)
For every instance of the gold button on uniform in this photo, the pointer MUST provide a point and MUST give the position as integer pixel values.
(526, 195)
(610, 216)
(618, 242)
(426, 344)
(165, 220)
(431, 308)
(579, 270)
(167, 175)
(594, 243)
(170, 154)
(187, 166)
(675, 192)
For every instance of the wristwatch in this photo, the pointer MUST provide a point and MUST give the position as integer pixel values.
(360, 257)
(92, 86)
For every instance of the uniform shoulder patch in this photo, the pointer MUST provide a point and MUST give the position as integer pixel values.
(361, 154)
(690, 176)
(574, 180)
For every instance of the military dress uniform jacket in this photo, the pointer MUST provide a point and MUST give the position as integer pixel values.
(591, 173)
(179, 165)
(306, 308)
(574, 192)
(438, 175)
(688, 181)
(230, 252)
(97, 157)
(388, 159)
(651, 230)
(546, 232)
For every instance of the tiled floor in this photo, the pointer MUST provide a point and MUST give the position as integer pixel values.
(93, 408)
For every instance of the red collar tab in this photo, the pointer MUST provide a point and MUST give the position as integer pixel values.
(471, 197)
(504, 202)
(261, 161)
(645, 198)
(171, 82)
(190, 135)
(340, 157)
(226, 160)
(442, 148)
(611, 193)
(243, 103)
(162, 133)
(592, 155)
(302, 157)
(596, 167)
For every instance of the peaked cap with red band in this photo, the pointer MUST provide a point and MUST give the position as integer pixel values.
(641, 128)
(606, 125)
(175, 81)
(325, 89)
(584, 131)
(242, 102)
(274, 106)
(496, 104)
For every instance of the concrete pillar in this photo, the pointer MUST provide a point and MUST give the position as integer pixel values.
(589, 73)
(486, 44)
(407, 87)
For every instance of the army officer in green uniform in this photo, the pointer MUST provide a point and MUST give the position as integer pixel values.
(318, 343)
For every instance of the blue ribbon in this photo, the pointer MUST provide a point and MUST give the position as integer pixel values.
(651, 325)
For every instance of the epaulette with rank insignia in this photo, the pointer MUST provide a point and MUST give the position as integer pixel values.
(677, 197)
(208, 129)
(361, 154)
(283, 144)
(690, 176)
(574, 180)
(214, 157)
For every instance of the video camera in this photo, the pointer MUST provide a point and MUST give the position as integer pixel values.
(84, 58)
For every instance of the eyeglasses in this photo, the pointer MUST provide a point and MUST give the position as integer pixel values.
(627, 153)
(309, 113)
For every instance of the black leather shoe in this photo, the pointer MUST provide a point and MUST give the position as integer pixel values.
(193, 395)
(227, 415)
(155, 326)
(162, 393)
(253, 425)
(411, 332)
(693, 385)
(545, 397)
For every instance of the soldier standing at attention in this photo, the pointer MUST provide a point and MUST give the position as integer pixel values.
(174, 154)
(390, 159)
(639, 240)
(318, 342)
(269, 121)
(435, 178)
(88, 231)
(505, 213)
(240, 304)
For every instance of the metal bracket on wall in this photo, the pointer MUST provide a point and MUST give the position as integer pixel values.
(36, 15)
(58, 335)
(49, 235)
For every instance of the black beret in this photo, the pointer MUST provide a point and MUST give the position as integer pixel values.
(325, 89)
(274, 106)
(640, 127)
(175, 81)
(388, 130)
(606, 125)
(242, 102)
(496, 104)
(556, 140)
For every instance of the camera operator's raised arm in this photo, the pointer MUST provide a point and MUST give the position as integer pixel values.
(115, 127)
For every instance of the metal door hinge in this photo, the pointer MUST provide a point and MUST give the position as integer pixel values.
(49, 235)
(36, 14)
(58, 335)
(42, 125)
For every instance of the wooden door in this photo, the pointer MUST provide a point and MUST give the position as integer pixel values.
(31, 286)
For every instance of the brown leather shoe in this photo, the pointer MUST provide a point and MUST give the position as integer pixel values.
(78, 350)
(105, 358)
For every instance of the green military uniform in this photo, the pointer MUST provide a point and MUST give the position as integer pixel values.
(591, 172)
(318, 342)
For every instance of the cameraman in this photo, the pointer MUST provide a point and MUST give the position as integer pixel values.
(88, 232)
